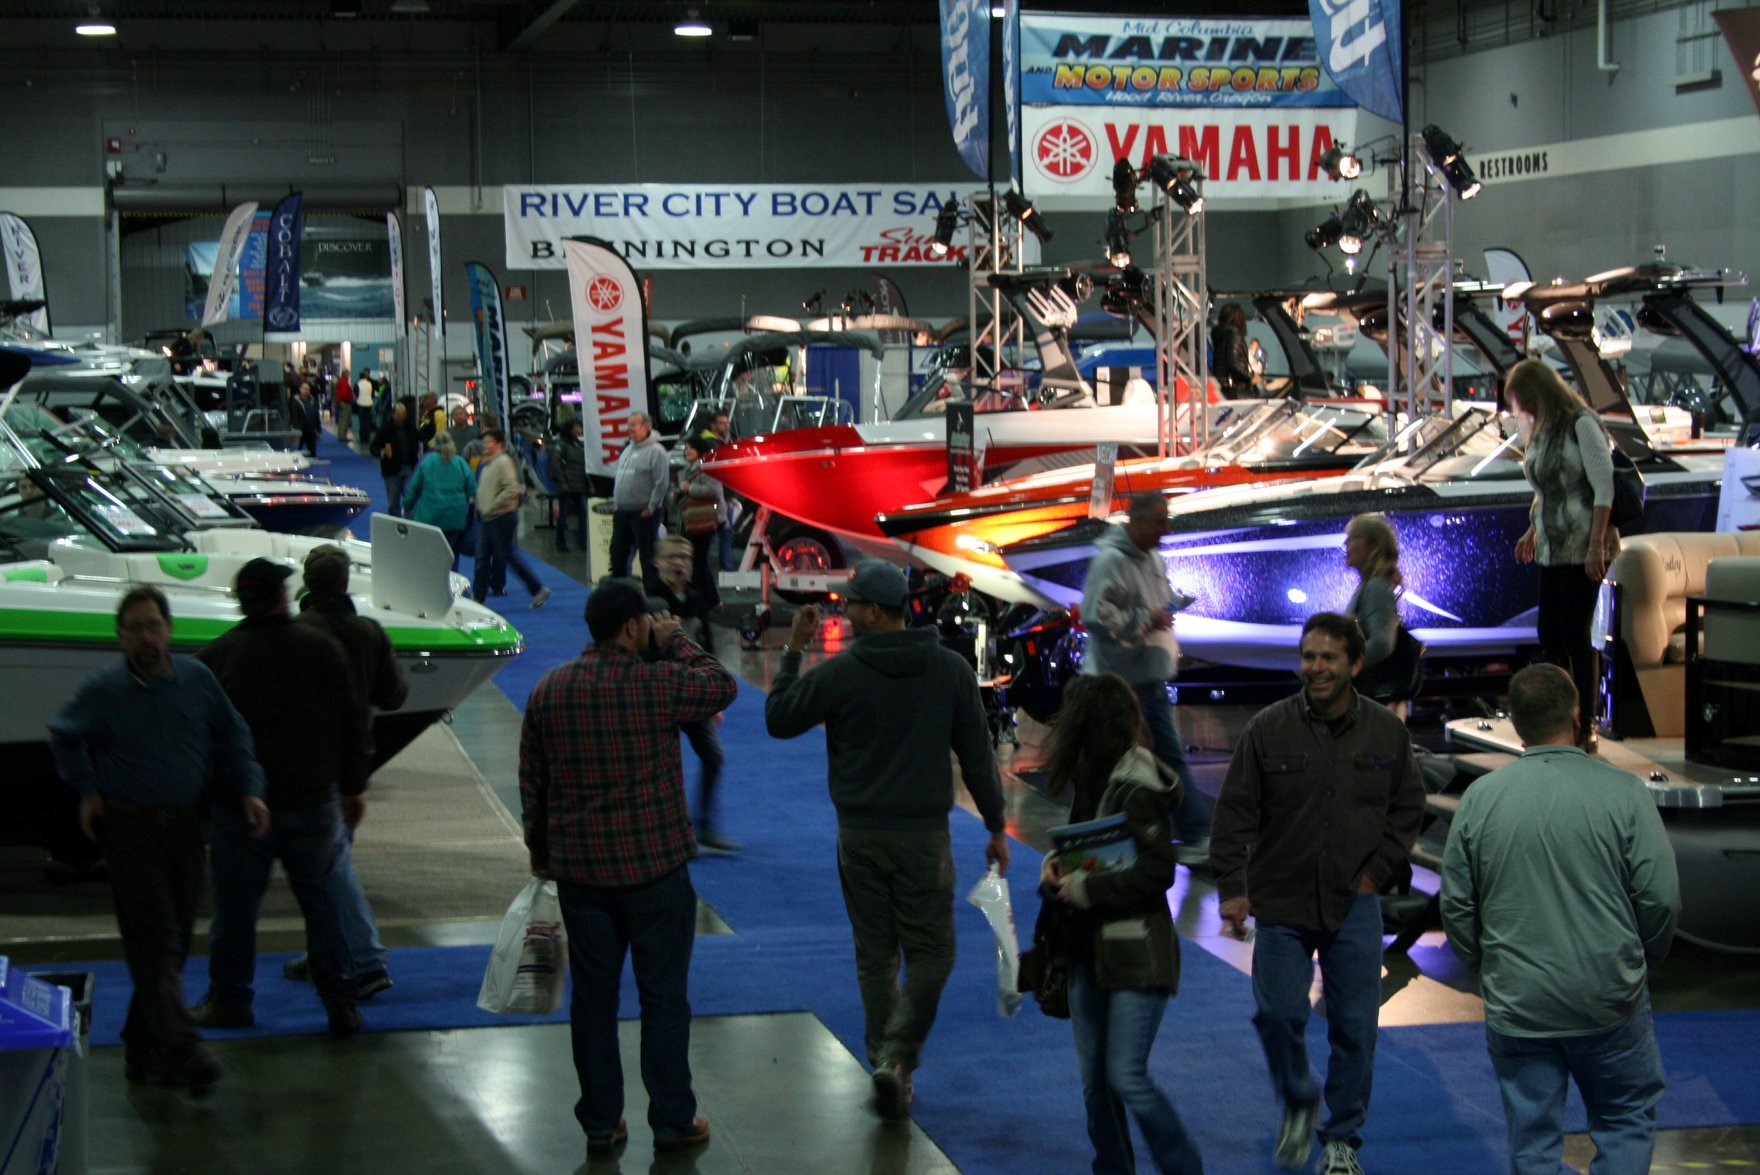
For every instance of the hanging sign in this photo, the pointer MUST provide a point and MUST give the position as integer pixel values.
(611, 348)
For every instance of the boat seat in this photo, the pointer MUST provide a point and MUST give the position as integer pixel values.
(32, 571)
(240, 540)
(1733, 636)
(1654, 574)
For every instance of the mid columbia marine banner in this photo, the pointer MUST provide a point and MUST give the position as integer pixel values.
(730, 226)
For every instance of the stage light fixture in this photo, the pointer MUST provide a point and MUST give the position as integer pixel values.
(1358, 220)
(1118, 239)
(1445, 153)
(1179, 179)
(1325, 234)
(1124, 186)
(1022, 210)
(946, 224)
(693, 25)
(1341, 164)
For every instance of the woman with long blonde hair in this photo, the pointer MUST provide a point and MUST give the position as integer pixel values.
(1371, 549)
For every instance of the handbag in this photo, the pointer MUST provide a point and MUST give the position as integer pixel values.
(1628, 493)
(1399, 677)
(1040, 969)
(699, 517)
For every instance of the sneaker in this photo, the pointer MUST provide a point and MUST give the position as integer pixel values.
(892, 1092)
(541, 598)
(716, 843)
(1339, 1158)
(368, 986)
(344, 1018)
(697, 1135)
(604, 1144)
(1295, 1135)
(298, 969)
(209, 1014)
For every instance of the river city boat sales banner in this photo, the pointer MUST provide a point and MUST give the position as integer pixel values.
(1250, 100)
(732, 226)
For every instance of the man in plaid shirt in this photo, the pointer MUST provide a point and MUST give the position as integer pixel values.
(602, 787)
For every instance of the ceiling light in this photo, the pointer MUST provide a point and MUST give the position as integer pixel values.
(1445, 154)
(998, 11)
(1118, 239)
(1341, 164)
(1325, 234)
(1359, 219)
(692, 25)
(1022, 210)
(1179, 179)
(95, 28)
(946, 223)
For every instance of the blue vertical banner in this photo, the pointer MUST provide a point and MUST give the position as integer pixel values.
(965, 79)
(1362, 47)
(281, 279)
(491, 338)
(1011, 87)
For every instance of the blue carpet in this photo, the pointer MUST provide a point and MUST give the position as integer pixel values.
(437, 987)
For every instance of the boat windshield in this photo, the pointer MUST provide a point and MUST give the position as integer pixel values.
(40, 506)
(1438, 448)
(1292, 431)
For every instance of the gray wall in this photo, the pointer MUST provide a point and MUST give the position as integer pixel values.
(420, 103)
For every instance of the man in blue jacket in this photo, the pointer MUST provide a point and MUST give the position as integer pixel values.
(892, 707)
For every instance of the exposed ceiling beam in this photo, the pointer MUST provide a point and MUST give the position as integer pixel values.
(520, 26)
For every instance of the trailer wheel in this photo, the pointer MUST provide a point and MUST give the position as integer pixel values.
(808, 550)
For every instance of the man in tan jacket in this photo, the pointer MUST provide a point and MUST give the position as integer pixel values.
(498, 498)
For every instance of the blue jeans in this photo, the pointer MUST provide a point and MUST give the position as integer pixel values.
(1193, 816)
(705, 739)
(1619, 1074)
(1350, 976)
(1114, 1032)
(724, 541)
(367, 955)
(394, 483)
(656, 925)
(306, 843)
(497, 550)
(571, 505)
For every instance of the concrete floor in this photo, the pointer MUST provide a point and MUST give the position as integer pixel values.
(780, 1092)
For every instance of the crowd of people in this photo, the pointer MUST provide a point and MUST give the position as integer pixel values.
(1558, 887)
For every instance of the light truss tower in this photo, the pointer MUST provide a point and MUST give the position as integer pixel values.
(1422, 270)
(996, 246)
(1181, 291)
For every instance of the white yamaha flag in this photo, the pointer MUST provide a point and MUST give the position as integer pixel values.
(610, 345)
(224, 280)
(432, 203)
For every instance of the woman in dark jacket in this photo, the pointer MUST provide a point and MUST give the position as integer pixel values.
(1118, 940)
(1232, 365)
(568, 469)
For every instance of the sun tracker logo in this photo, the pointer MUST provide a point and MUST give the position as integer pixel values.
(604, 294)
(1065, 151)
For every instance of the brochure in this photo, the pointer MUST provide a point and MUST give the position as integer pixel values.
(1097, 846)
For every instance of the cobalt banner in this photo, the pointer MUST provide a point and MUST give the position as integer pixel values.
(1741, 31)
(223, 281)
(610, 347)
(491, 340)
(1011, 85)
(24, 268)
(1361, 44)
(281, 293)
(1177, 61)
(730, 226)
(965, 79)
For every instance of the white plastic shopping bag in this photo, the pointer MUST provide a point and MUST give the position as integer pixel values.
(528, 970)
(991, 896)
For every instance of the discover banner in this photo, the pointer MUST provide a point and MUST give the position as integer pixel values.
(1245, 154)
(610, 346)
(491, 340)
(730, 226)
(223, 281)
(24, 268)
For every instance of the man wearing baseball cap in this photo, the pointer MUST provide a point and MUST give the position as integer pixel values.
(601, 785)
(892, 706)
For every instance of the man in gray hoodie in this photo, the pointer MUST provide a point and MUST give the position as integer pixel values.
(1127, 609)
(638, 493)
(892, 706)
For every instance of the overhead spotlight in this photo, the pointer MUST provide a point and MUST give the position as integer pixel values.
(1118, 239)
(95, 28)
(998, 11)
(1022, 210)
(946, 224)
(1445, 153)
(1325, 234)
(815, 304)
(693, 25)
(1179, 179)
(1341, 164)
(1124, 186)
(1358, 221)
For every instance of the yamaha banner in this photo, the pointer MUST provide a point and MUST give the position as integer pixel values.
(610, 347)
(1361, 43)
(432, 203)
(281, 281)
(965, 79)
(223, 280)
(1741, 31)
(491, 339)
(24, 268)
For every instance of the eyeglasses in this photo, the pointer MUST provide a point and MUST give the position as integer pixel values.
(156, 624)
